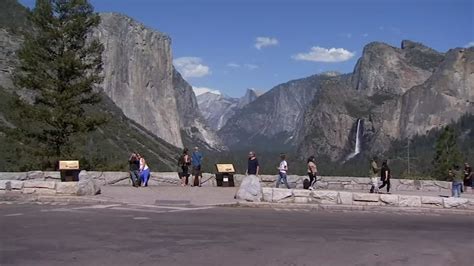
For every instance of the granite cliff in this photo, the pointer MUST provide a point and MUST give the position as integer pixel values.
(395, 92)
(218, 108)
(140, 79)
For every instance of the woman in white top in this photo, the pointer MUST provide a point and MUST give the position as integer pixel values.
(144, 171)
(282, 169)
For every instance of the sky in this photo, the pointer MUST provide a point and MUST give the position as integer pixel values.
(229, 46)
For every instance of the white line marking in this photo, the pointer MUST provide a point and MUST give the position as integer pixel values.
(13, 214)
(141, 218)
(97, 207)
(159, 207)
(136, 210)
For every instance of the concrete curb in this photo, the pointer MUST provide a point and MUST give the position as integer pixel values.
(330, 207)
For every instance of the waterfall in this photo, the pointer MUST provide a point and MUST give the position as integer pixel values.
(357, 144)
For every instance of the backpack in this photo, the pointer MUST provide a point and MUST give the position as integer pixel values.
(306, 184)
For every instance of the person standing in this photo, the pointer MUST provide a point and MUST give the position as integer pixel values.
(312, 172)
(373, 173)
(385, 176)
(282, 169)
(252, 166)
(144, 171)
(184, 162)
(456, 178)
(468, 177)
(134, 166)
(196, 160)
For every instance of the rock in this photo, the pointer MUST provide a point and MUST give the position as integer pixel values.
(67, 188)
(44, 191)
(301, 193)
(52, 175)
(389, 199)
(112, 178)
(432, 201)
(267, 194)
(281, 194)
(39, 184)
(37, 175)
(16, 184)
(301, 200)
(250, 189)
(344, 198)
(365, 197)
(409, 201)
(325, 197)
(455, 203)
(5, 185)
(13, 175)
(87, 187)
(28, 190)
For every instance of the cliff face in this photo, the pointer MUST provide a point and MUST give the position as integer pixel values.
(273, 115)
(140, 79)
(138, 75)
(397, 93)
(218, 108)
(443, 98)
(393, 70)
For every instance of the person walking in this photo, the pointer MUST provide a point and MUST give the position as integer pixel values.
(373, 173)
(134, 166)
(252, 165)
(385, 176)
(184, 162)
(456, 178)
(196, 161)
(468, 178)
(144, 171)
(312, 172)
(282, 169)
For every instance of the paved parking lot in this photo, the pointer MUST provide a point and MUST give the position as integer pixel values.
(140, 234)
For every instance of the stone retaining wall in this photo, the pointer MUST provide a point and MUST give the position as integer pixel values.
(279, 195)
(84, 187)
(171, 178)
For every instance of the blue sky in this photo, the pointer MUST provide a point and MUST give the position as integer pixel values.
(215, 42)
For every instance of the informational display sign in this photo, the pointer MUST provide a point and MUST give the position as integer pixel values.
(68, 165)
(225, 168)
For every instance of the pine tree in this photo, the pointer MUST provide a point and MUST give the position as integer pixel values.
(60, 64)
(447, 153)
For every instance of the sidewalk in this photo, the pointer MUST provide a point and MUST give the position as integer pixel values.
(202, 196)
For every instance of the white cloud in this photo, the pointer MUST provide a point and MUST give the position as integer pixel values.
(234, 65)
(201, 90)
(365, 35)
(470, 44)
(320, 54)
(191, 67)
(251, 66)
(262, 42)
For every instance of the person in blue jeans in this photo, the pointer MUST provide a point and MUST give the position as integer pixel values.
(457, 180)
(196, 161)
(282, 169)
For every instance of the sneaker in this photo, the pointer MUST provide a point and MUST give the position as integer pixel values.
(311, 188)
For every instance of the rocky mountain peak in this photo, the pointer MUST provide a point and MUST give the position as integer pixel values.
(387, 69)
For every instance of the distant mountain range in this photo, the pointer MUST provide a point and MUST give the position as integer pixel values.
(218, 108)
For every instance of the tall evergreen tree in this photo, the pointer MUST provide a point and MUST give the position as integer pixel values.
(60, 64)
(447, 153)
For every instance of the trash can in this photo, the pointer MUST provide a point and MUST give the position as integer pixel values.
(69, 171)
(225, 175)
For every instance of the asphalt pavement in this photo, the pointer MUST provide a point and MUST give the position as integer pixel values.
(132, 234)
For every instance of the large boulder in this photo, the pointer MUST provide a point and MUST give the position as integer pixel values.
(250, 189)
(88, 187)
